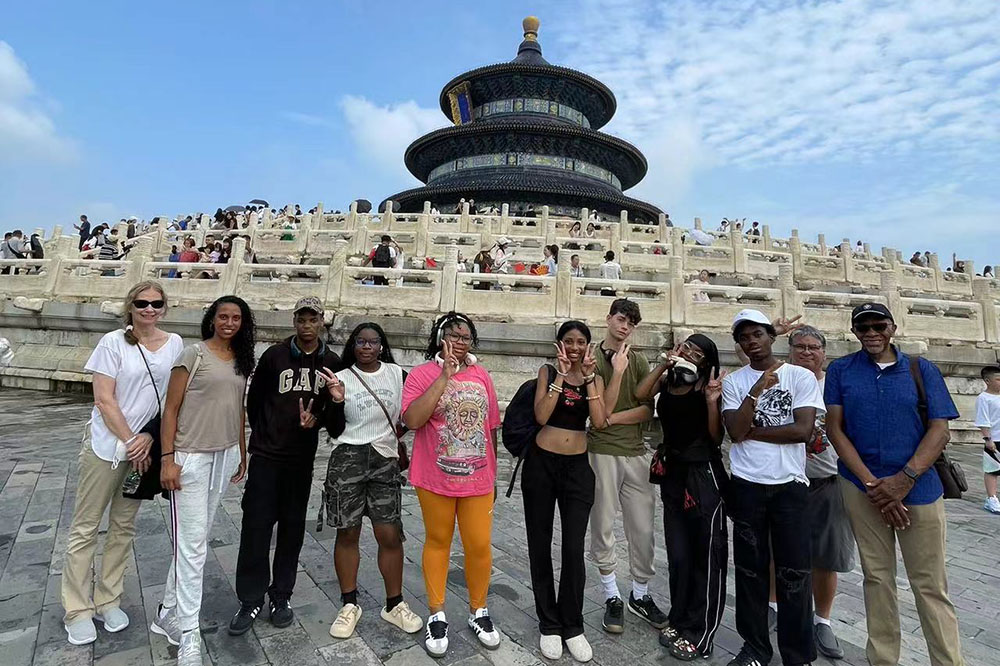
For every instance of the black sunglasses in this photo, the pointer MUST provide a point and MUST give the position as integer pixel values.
(880, 327)
(141, 304)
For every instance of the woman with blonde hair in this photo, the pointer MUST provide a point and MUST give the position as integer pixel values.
(130, 367)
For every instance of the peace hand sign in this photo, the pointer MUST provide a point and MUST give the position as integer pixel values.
(620, 360)
(450, 366)
(306, 418)
(562, 360)
(713, 389)
(783, 326)
(766, 381)
(589, 363)
(333, 384)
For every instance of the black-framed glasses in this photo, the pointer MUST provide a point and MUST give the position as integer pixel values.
(454, 337)
(811, 348)
(362, 342)
(142, 304)
(878, 327)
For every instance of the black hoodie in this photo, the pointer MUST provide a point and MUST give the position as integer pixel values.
(285, 374)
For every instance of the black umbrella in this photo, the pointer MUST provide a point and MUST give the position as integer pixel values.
(259, 202)
(364, 206)
(395, 207)
(236, 209)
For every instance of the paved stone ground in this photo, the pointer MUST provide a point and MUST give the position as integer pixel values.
(39, 442)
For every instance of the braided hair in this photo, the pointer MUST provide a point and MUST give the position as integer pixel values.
(445, 323)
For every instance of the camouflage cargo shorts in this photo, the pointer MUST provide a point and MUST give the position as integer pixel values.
(360, 482)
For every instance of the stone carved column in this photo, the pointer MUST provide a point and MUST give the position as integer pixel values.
(662, 230)
(623, 226)
(677, 245)
(352, 216)
(336, 276)
(423, 229)
(890, 289)
(463, 220)
(563, 286)
(678, 297)
(389, 216)
(141, 252)
(449, 279)
(795, 247)
(504, 220)
(847, 255)
(697, 223)
(550, 226)
(991, 314)
(821, 239)
(739, 252)
(765, 236)
(791, 300)
(230, 282)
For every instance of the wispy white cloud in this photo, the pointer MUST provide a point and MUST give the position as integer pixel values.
(307, 119)
(26, 131)
(791, 82)
(382, 133)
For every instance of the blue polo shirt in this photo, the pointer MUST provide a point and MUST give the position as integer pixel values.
(881, 417)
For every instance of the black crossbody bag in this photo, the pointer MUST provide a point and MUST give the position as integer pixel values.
(951, 473)
(149, 485)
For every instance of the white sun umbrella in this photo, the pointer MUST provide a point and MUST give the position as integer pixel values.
(701, 238)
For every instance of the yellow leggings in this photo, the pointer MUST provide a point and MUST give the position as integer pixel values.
(475, 524)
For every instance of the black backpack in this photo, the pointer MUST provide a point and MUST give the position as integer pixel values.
(519, 425)
(383, 257)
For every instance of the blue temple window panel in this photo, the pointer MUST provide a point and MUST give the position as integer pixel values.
(525, 159)
(531, 105)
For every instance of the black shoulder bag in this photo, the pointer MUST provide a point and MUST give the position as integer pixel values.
(149, 484)
(951, 473)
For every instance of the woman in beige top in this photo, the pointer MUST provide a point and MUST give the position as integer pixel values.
(203, 448)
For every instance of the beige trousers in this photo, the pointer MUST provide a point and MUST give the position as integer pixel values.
(98, 486)
(623, 481)
(922, 546)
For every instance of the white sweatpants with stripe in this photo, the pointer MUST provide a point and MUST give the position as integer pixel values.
(204, 479)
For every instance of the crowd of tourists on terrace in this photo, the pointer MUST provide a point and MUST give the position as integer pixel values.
(825, 460)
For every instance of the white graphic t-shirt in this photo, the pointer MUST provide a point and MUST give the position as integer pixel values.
(764, 462)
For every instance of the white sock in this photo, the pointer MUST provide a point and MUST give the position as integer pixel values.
(437, 616)
(773, 605)
(639, 590)
(821, 620)
(610, 584)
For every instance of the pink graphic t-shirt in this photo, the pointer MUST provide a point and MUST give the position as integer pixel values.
(453, 452)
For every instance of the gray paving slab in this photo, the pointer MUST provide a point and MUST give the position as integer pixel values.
(38, 471)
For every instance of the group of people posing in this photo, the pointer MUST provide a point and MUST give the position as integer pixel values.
(792, 517)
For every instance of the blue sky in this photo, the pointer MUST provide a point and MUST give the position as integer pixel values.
(860, 119)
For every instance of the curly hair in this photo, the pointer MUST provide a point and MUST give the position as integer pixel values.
(245, 338)
(445, 323)
(347, 359)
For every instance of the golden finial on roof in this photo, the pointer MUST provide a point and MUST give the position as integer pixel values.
(530, 25)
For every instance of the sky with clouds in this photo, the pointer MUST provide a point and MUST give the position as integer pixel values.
(867, 119)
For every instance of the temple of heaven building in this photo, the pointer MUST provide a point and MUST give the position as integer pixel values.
(526, 133)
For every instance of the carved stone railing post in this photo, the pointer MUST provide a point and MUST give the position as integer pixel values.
(584, 214)
(423, 229)
(230, 282)
(389, 216)
(677, 245)
(791, 299)
(765, 236)
(549, 226)
(623, 231)
(821, 239)
(563, 287)
(697, 223)
(981, 292)
(738, 242)
(662, 230)
(336, 276)
(504, 219)
(795, 247)
(890, 288)
(847, 255)
(359, 241)
(352, 215)
(449, 279)
(141, 252)
(463, 220)
(678, 297)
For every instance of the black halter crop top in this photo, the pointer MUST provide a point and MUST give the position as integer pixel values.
(571, 409)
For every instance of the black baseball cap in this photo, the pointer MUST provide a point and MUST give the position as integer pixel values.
(876, 309)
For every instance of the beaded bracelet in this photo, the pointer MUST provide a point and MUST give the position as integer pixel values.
(594, 397)
(590, 377)
(561, 374)
(554, 387)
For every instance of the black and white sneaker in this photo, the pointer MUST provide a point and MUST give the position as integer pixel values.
(646, 609)
(281, 613)
(436, 636)
(243, 620)
(746, 657)
(482, 625)
(614, 615)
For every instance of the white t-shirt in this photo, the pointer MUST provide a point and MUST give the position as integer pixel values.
(365, 420)
(764, 462)
(611, 270)
(988, 413)
(136, 399)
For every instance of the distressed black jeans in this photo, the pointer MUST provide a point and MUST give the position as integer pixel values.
(770, 518)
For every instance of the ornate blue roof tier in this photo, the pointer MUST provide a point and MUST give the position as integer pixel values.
(526, 132)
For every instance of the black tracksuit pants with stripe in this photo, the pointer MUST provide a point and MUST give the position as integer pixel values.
(694, 526)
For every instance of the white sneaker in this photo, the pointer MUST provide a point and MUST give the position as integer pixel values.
(550, 645)
(579, 648)
(482, 625)
(436, 636)
(189, 651)
(114, 619)
(165, 624)
(403, 617)
(992, 504)
(347, 619)
(81, 632)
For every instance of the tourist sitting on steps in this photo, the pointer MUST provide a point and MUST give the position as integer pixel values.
(364, 473)
(557, 472)
(125, 401)
(451, 404)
